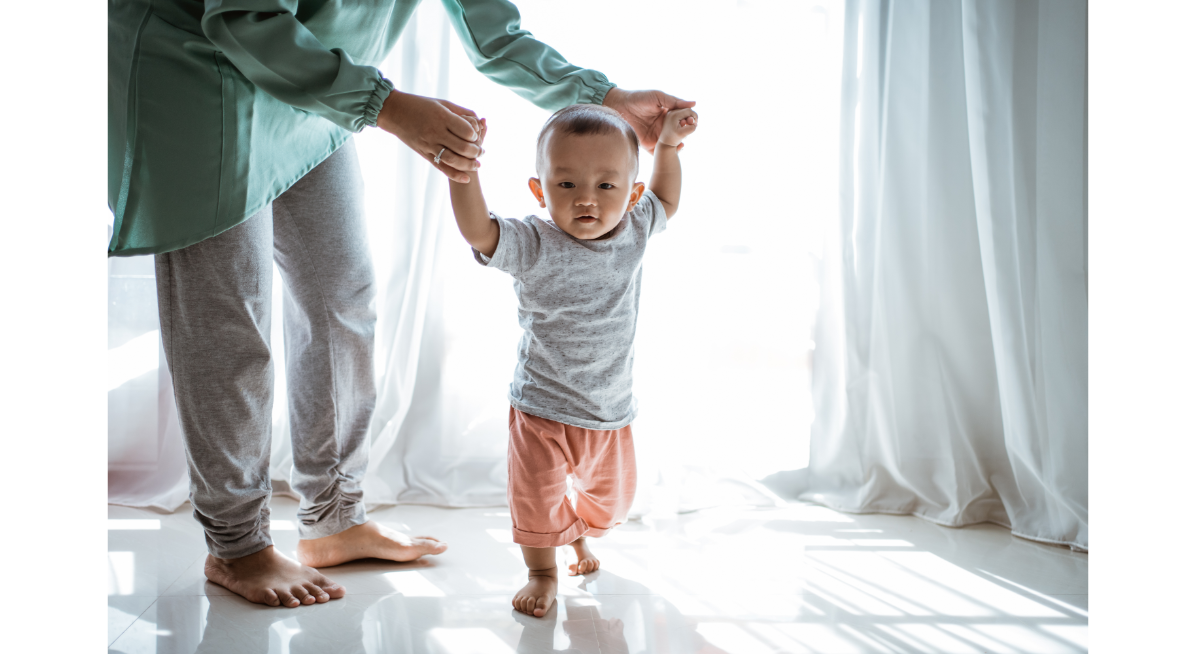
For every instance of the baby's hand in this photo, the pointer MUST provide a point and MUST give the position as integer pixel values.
(678, 124)
(479, 126)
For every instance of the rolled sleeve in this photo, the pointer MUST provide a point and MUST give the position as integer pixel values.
(272, 49)
(511, 56)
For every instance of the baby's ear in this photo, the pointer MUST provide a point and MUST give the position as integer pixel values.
(637, 192)
(537, 190)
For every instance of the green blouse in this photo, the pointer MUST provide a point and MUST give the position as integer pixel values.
(215, 108)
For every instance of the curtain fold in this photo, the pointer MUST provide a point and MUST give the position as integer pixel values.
(950, 370)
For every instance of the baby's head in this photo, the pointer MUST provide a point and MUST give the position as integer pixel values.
(587, 159)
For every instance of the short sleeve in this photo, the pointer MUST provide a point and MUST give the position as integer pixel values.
(648, 214)
(518, 246)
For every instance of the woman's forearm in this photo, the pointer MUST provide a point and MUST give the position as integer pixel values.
(473, 218)
(503, 51)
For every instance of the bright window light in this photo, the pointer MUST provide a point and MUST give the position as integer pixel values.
(132, 359)
(1030, 591)
(412, 584)
(120, 573)
(468, 641)
(134, 525)
(880, 542)
(501, 535)
(733, 638)
(1072, 633)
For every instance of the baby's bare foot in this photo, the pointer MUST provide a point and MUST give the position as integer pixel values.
(268, 577)
(538, 595)
(366, 541)
(586, 561)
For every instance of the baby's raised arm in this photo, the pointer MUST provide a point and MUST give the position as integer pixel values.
(469, 206)
(666, 174)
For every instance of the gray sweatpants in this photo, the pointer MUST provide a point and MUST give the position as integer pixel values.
(214, 307)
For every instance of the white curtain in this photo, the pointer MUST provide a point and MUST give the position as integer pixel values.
(950, 370)
(146, 464)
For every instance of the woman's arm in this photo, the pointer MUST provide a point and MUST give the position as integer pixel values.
(267, 43)
(504, 52)
(501, 50)
(270, 47)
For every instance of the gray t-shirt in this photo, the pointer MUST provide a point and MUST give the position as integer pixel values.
(578, 302)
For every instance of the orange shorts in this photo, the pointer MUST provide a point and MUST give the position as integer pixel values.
(542, 454)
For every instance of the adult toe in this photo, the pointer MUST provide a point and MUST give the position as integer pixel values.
(316, 592)
(334, 590)
(301, 594)
(285, 598)
(430, 545)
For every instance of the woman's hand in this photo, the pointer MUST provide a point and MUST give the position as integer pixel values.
(429, 126)
(645, 110)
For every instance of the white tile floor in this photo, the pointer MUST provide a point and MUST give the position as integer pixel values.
(745, 581)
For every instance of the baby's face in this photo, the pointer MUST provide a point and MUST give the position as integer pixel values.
(588, 182)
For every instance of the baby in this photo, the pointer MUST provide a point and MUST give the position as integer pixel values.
(577, 279)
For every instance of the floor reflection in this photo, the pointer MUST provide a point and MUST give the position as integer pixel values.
(814, 581)
(651, 623)
(306, 632)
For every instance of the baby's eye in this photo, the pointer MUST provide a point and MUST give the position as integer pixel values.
(606, 186)
(566, 184)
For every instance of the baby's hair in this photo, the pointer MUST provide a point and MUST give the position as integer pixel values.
(582, 119)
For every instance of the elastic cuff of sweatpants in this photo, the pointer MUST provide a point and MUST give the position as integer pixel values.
(243, 546)
(335, 521)
(534, 539)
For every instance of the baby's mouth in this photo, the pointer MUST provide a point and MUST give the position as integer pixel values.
(586, 219)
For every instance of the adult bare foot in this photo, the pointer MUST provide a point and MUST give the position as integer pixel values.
(366, 541)
(538, 595)
(268, 577)
(586, 561)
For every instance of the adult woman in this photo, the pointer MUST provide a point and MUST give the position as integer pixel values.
(228, 150)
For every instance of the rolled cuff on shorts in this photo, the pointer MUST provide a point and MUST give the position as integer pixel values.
(576, 530)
